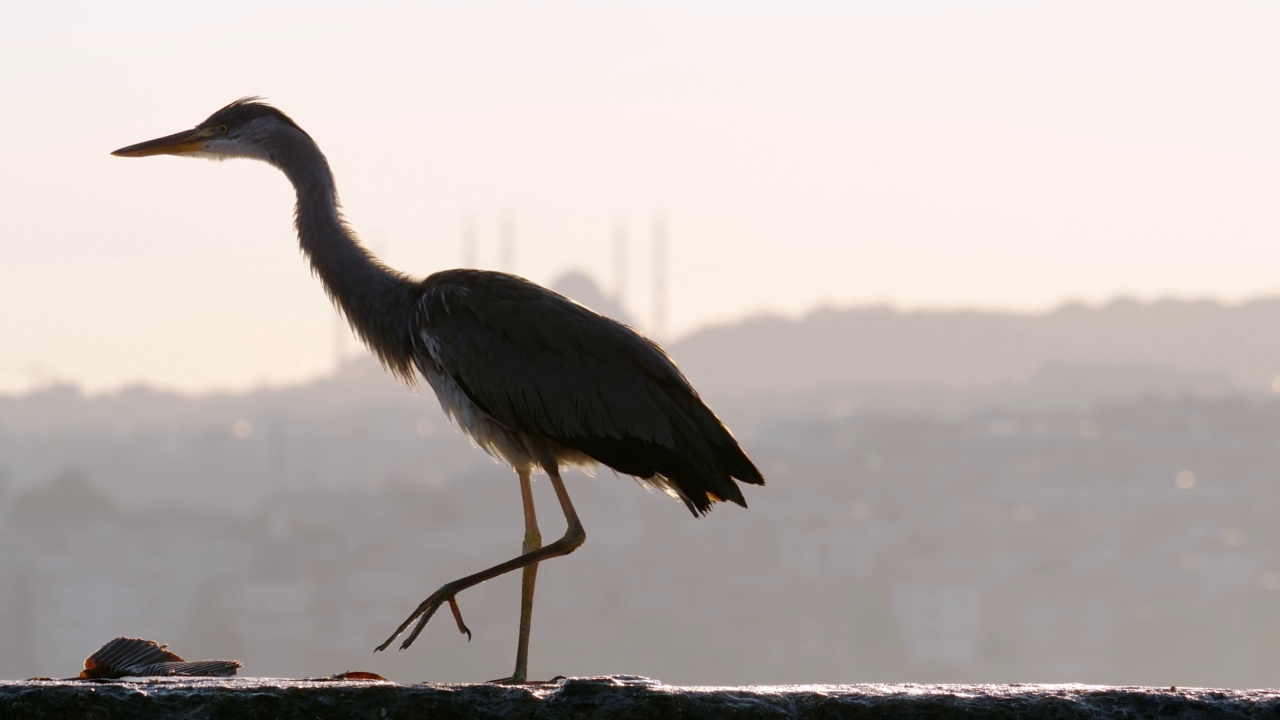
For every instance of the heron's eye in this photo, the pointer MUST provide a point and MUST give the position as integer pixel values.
(223, 129)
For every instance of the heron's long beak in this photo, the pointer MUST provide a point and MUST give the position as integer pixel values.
(185, 142)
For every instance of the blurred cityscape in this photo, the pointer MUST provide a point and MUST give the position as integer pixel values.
(1085, 495)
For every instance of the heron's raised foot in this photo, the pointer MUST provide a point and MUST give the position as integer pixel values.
(447, 593)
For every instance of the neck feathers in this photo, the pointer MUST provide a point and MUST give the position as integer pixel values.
(377, 301)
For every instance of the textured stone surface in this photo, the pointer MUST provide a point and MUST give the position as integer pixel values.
(248, 698)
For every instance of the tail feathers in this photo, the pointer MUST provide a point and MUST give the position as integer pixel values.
(717, 460)
(697, 477)
(701, 474)
(699, 463)
(700, 492)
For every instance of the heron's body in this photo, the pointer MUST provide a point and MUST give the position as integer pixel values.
(532, 377)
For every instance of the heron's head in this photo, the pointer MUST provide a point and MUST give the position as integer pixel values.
(247, 128)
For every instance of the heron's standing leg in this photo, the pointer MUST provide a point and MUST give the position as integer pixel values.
(532, 541)
(572, 539)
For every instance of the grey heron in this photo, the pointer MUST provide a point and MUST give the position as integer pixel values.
(533, 378)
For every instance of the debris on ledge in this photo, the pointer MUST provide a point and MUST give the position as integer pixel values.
(135, 657)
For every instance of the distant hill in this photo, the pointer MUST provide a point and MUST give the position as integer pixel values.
(830, 358)
(1121, 347)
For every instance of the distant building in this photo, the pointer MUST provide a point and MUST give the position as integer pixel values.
(579, 286)
(6, 498)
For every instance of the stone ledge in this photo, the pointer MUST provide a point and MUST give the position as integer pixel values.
(250, 698)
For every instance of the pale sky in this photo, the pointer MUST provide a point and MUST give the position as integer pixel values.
(923, 154)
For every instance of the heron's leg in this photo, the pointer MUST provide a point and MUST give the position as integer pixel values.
(572, 539)
(532, 541)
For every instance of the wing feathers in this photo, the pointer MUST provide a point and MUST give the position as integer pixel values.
(540, 364)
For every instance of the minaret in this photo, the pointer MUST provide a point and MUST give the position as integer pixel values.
(620, 261)
(659, 276)
(507, 243)
(469, 244)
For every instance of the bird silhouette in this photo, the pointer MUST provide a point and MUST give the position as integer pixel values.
(533, 378)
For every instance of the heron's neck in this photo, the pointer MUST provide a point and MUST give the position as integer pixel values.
(376, 300)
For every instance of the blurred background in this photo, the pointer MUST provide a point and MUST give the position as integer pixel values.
(989, 294)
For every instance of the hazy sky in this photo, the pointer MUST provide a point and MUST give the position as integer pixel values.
(925, 154)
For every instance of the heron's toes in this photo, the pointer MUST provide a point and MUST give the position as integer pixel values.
(428, 609)
(457, 617)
